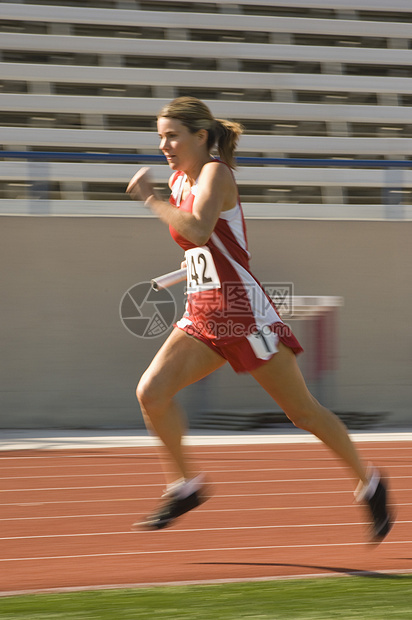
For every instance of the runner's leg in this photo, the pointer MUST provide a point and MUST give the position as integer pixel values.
(181, 361)
(282, 379)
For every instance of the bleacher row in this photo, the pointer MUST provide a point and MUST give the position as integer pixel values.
(310, 80)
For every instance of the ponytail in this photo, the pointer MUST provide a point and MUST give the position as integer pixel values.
(227, 135)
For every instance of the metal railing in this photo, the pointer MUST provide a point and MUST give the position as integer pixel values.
(392, 189)
(265, 161)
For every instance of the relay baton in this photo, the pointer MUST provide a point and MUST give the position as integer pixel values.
(168, 279)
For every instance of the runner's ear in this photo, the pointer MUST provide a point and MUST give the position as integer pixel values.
(203, 135)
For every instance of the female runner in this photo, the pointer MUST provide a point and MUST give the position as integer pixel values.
(228, 315)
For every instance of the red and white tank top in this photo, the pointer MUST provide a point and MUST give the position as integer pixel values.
(225, 301)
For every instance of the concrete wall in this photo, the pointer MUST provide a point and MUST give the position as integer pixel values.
(67, 360)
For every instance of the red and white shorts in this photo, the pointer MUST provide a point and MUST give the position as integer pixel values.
(248, 353)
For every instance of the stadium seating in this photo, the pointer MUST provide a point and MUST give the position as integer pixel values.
(310, 80)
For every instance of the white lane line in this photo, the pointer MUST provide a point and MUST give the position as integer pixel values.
(236, 464)
(161, 473)
(201, 550)
(214, 483)
(193, 530)
(138, 463)
(181, 531)
(108, 486)
(146, 499)
(212, 471)
(199, 529)
(88, 516)
(205, 510)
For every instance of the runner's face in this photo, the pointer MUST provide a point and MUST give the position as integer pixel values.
(180, 147)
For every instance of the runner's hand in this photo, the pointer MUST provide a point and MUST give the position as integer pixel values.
(141, 187)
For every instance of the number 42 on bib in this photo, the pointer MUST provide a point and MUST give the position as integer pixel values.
(201, 270)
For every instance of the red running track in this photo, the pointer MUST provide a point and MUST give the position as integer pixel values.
(277, 511)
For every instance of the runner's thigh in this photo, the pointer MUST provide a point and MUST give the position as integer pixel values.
(181, 361)
(282, 379)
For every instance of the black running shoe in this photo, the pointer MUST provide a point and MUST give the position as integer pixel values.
(172, 508)
(381, 517)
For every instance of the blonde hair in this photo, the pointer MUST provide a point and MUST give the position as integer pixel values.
(195, 115)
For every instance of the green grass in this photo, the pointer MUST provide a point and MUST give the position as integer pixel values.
(362, 598)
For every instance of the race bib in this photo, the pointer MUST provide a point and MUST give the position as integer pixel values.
(201, 270)
(264, 343)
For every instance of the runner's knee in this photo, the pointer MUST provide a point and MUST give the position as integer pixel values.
(148, 395)
(305, 417)
(301, 420)
(311, 417)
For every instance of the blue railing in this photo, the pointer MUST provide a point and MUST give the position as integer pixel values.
(268, 161)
